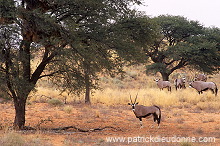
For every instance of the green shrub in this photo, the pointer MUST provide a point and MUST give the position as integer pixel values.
(55, 102)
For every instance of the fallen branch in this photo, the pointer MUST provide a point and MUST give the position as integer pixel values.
(73, 127)
(83, 130)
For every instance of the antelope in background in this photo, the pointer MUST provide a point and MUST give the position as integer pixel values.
(201, 77)
(180, 83)
(141, 111)
(203, 86)
(163, 84)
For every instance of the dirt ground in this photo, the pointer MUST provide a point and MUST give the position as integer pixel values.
(112, 123)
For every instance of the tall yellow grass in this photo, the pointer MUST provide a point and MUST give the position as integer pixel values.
(145, 96)
(153, 96)
(117, 91)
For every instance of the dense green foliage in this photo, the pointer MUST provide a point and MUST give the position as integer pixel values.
(183, 43)
(73, 40)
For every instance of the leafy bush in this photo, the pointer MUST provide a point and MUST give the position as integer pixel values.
(55, 102)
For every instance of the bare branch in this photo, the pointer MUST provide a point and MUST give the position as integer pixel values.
(51, 74)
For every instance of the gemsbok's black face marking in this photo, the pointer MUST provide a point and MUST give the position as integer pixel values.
(133, 105)
(190, 85)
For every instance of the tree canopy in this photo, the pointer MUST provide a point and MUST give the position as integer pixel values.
(72, 39)
(182, 43)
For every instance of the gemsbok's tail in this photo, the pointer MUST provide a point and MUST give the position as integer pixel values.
(158, 115)
(216, 89)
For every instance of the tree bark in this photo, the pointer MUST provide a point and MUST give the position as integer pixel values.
(165, 76)
(87, 83)
(87, 94)
(20, 105)
(22, 92)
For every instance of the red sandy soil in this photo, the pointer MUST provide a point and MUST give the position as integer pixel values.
(117, 121)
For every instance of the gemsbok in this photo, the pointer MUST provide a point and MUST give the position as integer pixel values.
(163, 84)
(201, 77)
(203, 86)
(180, 83)
(141, 111)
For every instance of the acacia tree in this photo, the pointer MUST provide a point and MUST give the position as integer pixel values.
(67, 36)
(183, 43)
(137, 30)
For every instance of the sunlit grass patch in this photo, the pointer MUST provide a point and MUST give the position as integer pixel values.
(150, 96)
(117, 91)
(208, 106)
(111, 96)
(146, 96)
(68, 109)
(44, 94)
(12, 139)
(164, 98)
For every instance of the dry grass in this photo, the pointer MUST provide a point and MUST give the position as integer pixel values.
(12, 138)
(116, 91)
(68, 109)
(153, 96)
(148, 96)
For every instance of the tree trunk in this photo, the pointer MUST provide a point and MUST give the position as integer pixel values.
(165, 76)
(87, 94)
(20, 104)
(87, 83)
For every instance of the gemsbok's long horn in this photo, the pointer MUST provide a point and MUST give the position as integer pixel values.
(131, 100)
(136, 98)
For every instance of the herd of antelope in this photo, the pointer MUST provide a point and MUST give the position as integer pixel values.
(199, 83)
